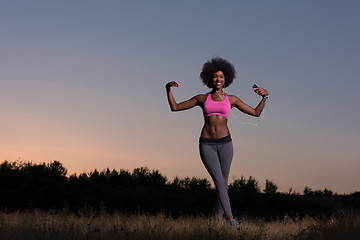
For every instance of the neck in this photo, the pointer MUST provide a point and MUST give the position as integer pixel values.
(220, 91)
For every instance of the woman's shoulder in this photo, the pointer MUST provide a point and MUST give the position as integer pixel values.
(201, 97)
(233, 98)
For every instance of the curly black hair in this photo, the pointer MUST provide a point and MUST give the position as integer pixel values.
(214, 65)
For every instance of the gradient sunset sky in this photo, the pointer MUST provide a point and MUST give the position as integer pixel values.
(83, 82)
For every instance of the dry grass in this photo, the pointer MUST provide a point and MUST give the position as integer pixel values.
(50, 225)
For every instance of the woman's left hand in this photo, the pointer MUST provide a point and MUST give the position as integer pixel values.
(261, 91)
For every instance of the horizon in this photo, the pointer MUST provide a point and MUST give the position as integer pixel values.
(261, 188)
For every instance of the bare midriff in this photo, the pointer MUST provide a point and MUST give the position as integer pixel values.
(215, 126)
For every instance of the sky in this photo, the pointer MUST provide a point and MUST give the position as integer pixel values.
(83, 83)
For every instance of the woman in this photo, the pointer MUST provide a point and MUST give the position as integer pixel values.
(215, 144)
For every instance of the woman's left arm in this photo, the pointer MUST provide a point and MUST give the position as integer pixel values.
(236, 102)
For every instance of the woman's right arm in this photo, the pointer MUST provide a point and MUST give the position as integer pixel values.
(192, 102)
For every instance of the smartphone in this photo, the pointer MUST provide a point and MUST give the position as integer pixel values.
(255, 86)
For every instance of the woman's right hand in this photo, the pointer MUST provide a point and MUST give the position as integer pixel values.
(172, 84)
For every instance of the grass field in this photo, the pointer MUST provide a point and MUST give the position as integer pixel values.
(61, 225)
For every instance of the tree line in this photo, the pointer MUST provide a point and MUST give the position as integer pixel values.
(26, 185)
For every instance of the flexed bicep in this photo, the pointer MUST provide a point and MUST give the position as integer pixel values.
(185, 105)
(174, 106)
(236, 102)
(239, 104)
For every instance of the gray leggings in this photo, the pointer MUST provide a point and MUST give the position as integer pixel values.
(217, 159)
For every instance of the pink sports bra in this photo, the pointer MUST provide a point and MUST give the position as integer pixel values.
(212, 107)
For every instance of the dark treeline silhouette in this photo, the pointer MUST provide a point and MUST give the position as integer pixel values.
(25, 185)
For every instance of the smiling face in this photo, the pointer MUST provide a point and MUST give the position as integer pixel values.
(218, 79)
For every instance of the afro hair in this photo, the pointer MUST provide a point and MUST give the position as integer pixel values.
(214, 65)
